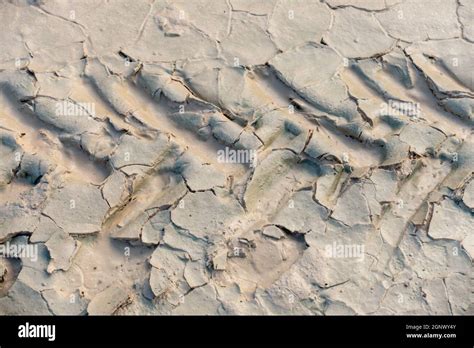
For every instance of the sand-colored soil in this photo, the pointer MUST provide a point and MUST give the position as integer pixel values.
(236, 157)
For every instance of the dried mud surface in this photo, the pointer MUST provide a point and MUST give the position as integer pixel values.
(346, 184)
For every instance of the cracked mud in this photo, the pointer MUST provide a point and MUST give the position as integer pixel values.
(236, 157)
